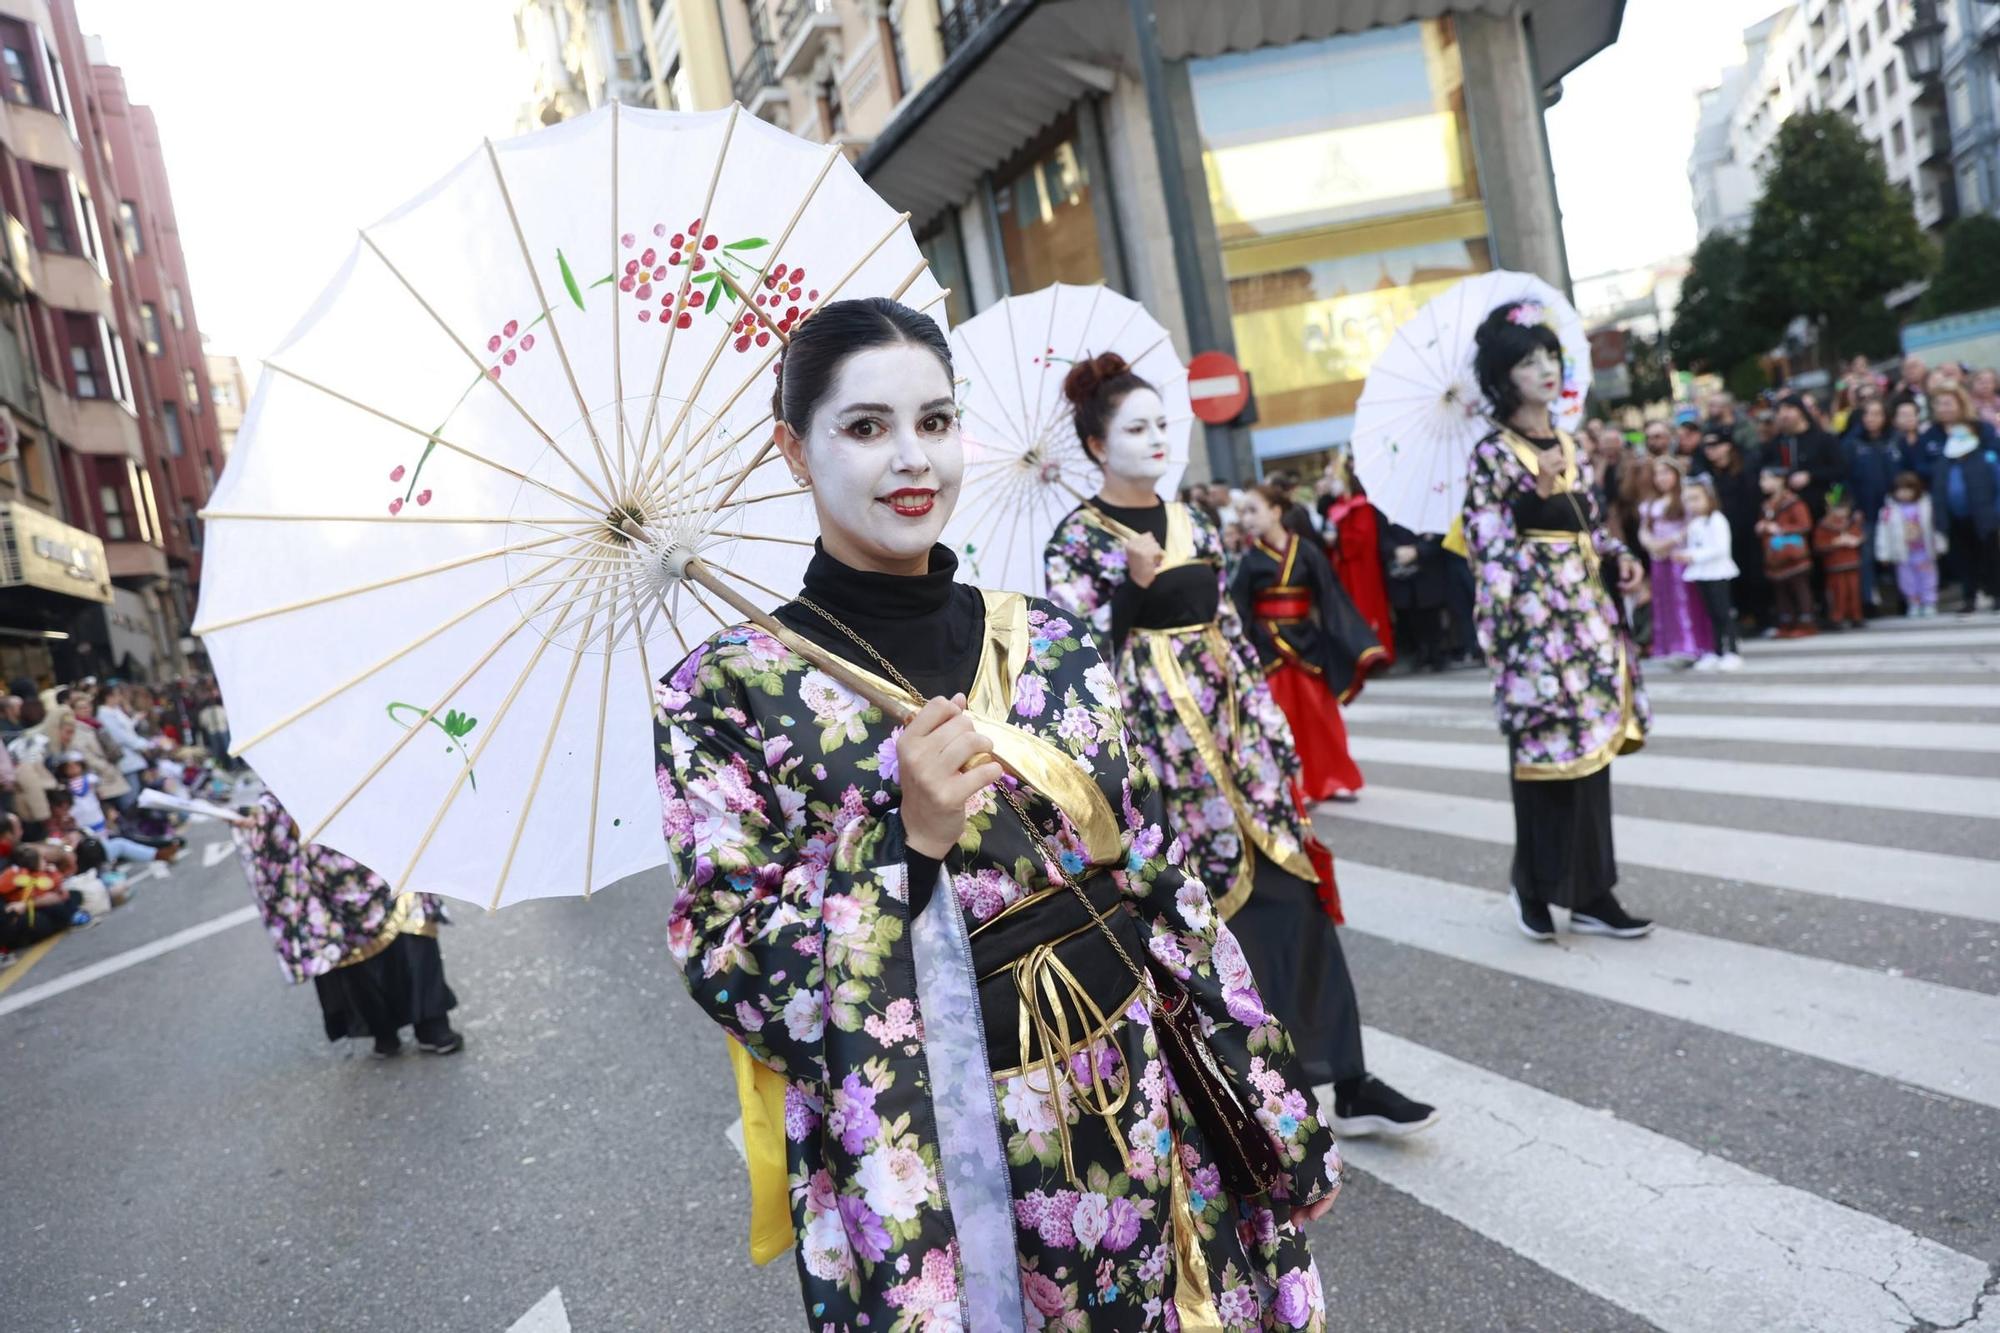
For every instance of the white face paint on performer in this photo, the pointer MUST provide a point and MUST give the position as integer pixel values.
(1134, 449)
(883, 457)
(1538, 378)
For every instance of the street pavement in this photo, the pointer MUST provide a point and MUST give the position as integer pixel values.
(1781, 1112)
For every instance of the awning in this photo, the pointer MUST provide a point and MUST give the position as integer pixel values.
(1024, 67)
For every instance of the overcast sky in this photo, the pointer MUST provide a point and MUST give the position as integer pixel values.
(288, 125)
(1621, 134)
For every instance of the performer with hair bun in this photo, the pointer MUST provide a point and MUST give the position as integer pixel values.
(1148, 576)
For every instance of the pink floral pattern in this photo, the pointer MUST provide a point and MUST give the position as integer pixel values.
(792, 933)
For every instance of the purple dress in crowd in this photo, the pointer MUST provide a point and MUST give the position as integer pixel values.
(1680, 622)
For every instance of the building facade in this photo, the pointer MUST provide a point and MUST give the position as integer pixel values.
(583, 53)
(96, 570)
(1817, 55)
(230, 392)
(1967, 93)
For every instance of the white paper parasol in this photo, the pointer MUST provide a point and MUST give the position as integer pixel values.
(1025, 468)
(515, 459)
(1421, 411)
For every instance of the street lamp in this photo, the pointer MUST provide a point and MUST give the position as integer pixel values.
(1923, 43)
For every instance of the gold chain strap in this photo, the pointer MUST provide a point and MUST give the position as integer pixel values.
(1050, 861)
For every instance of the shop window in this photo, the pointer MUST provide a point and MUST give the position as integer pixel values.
(1340, 175)
(1322, 133)
(1048, 226)
(149, 325)
(944, 250)
(170, 426)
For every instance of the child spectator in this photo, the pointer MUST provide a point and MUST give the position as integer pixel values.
(1837, 542)
(1784, 525)
(88, 814)
(1905, 538)
(33, 904)
(1708, 567)
(1680, 625)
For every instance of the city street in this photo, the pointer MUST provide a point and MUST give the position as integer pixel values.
(1781, 1112)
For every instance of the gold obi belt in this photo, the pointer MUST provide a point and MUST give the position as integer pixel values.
(1051, 986)
(1282, 604)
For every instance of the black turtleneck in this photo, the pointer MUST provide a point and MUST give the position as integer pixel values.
(929, 625)
(1186, 595)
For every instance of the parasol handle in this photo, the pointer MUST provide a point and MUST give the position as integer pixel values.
(892, 705)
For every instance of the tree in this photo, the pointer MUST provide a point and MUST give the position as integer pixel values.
(1968, 277)
(1646, 366)
(1716, 330)
(1831, 237)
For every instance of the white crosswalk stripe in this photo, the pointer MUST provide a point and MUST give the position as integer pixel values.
(1683, 1238)
(1889, 876)
(1933, 1036)
(1672, 1232)
(1919, 793)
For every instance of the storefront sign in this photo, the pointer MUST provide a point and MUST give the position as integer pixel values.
(1217, 387)
(38, 551)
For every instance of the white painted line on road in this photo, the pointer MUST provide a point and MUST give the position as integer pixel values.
(548, 1316)
(1918, 793)
(1974, 635)
(1916, 1032)
(1854, 872)
(1858, 733)
(1913, 664)
(1682, 1238)
(83, 976)
(216, 853)
(1773, 692)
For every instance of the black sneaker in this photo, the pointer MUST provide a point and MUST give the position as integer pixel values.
(1606, 917)
(388, 1048)
(1534, 919)
(1367, 1105)
(451, 1043)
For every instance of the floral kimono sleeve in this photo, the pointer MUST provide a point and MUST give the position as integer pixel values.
(1187, 936)
(1081, 579)
(1491, 539)
(773, 894)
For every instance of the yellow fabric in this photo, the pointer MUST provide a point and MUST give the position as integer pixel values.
(760, 1095)
(1454, 540)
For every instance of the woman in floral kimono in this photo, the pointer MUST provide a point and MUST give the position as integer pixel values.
(1314, 646)
(1147, 578)
(1565, 679)
(979, 1132)
(370, 952)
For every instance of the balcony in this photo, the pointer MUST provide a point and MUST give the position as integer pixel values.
(958, 23)
(805, 29)
(756, 83)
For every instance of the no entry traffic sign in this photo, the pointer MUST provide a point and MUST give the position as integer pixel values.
(1217, 388)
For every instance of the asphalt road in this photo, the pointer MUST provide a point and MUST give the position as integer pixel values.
(1781, 1112)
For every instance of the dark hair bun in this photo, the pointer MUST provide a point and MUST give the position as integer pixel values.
(1090, 374)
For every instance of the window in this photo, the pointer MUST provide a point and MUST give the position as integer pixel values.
(1861, 39)
(128, 227)
(1889, 78)
(22, 67)
(944, 250)
(149, 321)
(93, 244)
(113, 500)
(170, 424)
(1882, 17)
(1899, 142)
(191, 521)
(1048, 227)
(192, 388)
(224, 394)
(832, 117)
(174, 307)
(90, 367)
(149, 511)
(34, 467)
(1873, 105)
(53, 203)
(1969, 195)
(897, 66)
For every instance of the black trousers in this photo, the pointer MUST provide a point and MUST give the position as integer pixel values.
(1715, 598)
(1563, 855)
(1978, 559)
(402, 986)
(1293, 949)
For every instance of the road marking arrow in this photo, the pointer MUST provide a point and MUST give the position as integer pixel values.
(548, 1316)
(216, 853)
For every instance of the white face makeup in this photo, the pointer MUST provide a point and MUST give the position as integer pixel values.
(884, 459)
(1538, 377)
(1135, 439)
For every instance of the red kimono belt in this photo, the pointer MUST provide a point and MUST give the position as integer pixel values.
(1283, 606)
